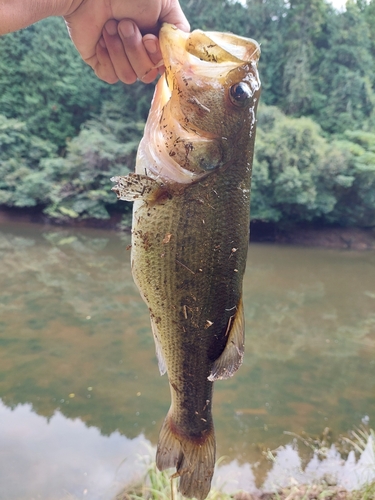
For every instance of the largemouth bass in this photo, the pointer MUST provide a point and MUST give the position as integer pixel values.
(191, 193)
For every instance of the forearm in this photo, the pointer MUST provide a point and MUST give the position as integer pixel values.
(17, 14)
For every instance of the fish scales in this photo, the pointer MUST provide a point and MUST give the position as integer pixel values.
(190, 234)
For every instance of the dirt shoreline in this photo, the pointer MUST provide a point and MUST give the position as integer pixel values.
(311, 492)
(349, 238)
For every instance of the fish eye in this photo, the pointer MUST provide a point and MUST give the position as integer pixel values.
(239, 93)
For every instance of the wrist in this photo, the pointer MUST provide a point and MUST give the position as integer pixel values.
(67, 7)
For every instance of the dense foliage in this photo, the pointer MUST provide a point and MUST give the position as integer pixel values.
(64, 133)
(76, 184)
(301, 176)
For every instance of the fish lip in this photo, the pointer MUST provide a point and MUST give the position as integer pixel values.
(242, 49)
(214, 48)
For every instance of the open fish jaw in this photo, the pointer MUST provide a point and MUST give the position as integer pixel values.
(176, 145)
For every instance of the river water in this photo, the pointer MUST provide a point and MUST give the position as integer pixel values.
(81, 399)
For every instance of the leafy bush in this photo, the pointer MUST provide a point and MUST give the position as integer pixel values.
(20, 157)
(299, 176)
(80, 182)
(77, 185)
(357, 204)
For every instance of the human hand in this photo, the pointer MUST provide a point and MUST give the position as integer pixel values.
(108, 35)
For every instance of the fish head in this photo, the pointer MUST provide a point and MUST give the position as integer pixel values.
(203, 112)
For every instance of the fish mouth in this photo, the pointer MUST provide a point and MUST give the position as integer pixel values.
(178, 145)
(206, 53)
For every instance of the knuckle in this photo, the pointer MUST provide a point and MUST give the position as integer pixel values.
(107, 76)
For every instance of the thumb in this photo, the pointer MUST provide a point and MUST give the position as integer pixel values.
(174, 15)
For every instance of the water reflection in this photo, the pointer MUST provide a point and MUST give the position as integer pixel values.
(75, 337)
(60, 458)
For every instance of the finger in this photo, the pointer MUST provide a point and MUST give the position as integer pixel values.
(151, 43)
(175, 15)
(102, 64)
(136, 52)
(117, 54)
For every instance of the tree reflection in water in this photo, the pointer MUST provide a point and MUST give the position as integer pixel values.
(75, 336)
(61, 458)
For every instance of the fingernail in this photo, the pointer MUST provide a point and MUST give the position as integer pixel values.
(111, 27)
(127, 29)
(150, 46)
(146, 75)
(102, 43)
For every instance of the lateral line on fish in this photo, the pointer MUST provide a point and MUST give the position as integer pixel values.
(186, 267)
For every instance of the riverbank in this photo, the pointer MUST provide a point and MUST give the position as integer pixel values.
(349, 238)
(311, 492)
(332, 485)
(297, 492)
(158, 487)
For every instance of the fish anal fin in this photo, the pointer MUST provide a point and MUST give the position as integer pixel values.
(133, 186)
(159, 352)
(193, 458)
(231, 358)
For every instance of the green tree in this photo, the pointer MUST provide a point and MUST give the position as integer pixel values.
(266, 22)
(369, 13)
(77, 185)
(80, 182)
(44, 82)
(305, 23)
(345, 76)
(20, 157)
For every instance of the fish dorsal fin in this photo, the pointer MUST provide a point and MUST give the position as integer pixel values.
(159, 352)
(231, 358)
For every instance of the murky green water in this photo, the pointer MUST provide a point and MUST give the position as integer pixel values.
(76, 348)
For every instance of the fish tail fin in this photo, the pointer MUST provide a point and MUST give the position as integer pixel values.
(194, 458)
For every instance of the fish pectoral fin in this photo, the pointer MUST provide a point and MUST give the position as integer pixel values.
(135, 186)
(231, 358)
(159, 352)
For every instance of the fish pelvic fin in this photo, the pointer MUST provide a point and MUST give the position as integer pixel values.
(136, 186)
(231, 358)
(159, 351)
(194, 459)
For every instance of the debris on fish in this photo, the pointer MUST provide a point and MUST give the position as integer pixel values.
(191, 193)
